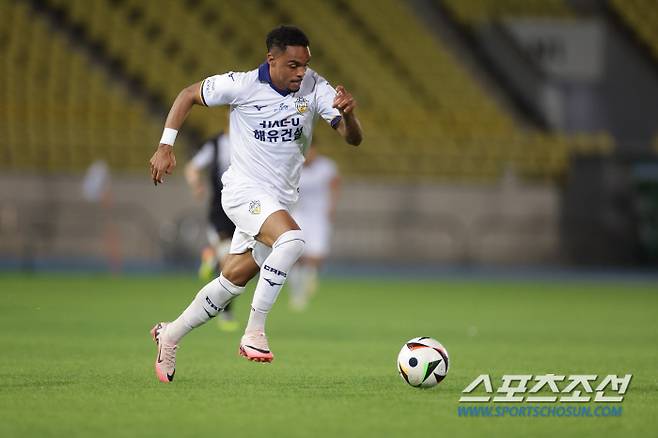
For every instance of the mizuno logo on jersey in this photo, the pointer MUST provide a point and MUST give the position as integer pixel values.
(259, 107)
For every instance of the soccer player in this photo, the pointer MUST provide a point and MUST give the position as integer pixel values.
(213, 155)
(319, 186)
(272, 112)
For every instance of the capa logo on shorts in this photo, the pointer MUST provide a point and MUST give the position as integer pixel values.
(254, 207)
(574, 388)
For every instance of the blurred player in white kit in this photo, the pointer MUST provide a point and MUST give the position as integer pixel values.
(319, 187)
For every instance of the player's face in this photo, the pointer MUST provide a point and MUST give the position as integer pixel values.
(287, 68)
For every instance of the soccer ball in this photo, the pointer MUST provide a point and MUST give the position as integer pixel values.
(423, 362)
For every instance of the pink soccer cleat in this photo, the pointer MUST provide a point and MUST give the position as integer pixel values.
(254, 347)
(165, 362)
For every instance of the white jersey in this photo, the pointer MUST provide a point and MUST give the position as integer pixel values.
(315, 189)
(270, 128)
(204, 157)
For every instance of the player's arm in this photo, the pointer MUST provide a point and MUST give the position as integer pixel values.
(163, 160)
(349, 126)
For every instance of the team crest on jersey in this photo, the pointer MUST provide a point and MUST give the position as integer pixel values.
(301, 104)
(254, 207)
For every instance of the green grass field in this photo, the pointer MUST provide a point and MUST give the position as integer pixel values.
(76, 358)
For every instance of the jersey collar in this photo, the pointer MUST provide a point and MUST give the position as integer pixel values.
(264, 76)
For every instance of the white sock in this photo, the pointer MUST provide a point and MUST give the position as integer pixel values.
(210, 300)
(285, 252)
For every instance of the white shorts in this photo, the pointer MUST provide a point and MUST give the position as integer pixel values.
(248, 207)
(317, 233)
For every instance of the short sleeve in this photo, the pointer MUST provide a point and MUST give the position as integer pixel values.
(203, 158)
(325, 95)
(224, 89)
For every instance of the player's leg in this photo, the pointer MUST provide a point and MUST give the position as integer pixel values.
(296, 287)
(295, 279)
(304, 275)
(303, 281)
(225, 230)
(208, 302)
(209, 255)
(215, 296)
(218, 233)
(312, 265)
(282, 234)
(226, 320)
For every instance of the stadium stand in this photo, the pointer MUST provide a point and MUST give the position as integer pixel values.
(58, 110)
(425, 116)
(642, 17)
(474, 12)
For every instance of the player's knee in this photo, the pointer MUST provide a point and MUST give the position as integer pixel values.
(235, 274)
(292, 242)
(239, 269)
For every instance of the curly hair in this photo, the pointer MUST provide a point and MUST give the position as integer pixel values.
(283, 36)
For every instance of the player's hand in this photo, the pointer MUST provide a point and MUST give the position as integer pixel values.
(344, 101)
(162, 162)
